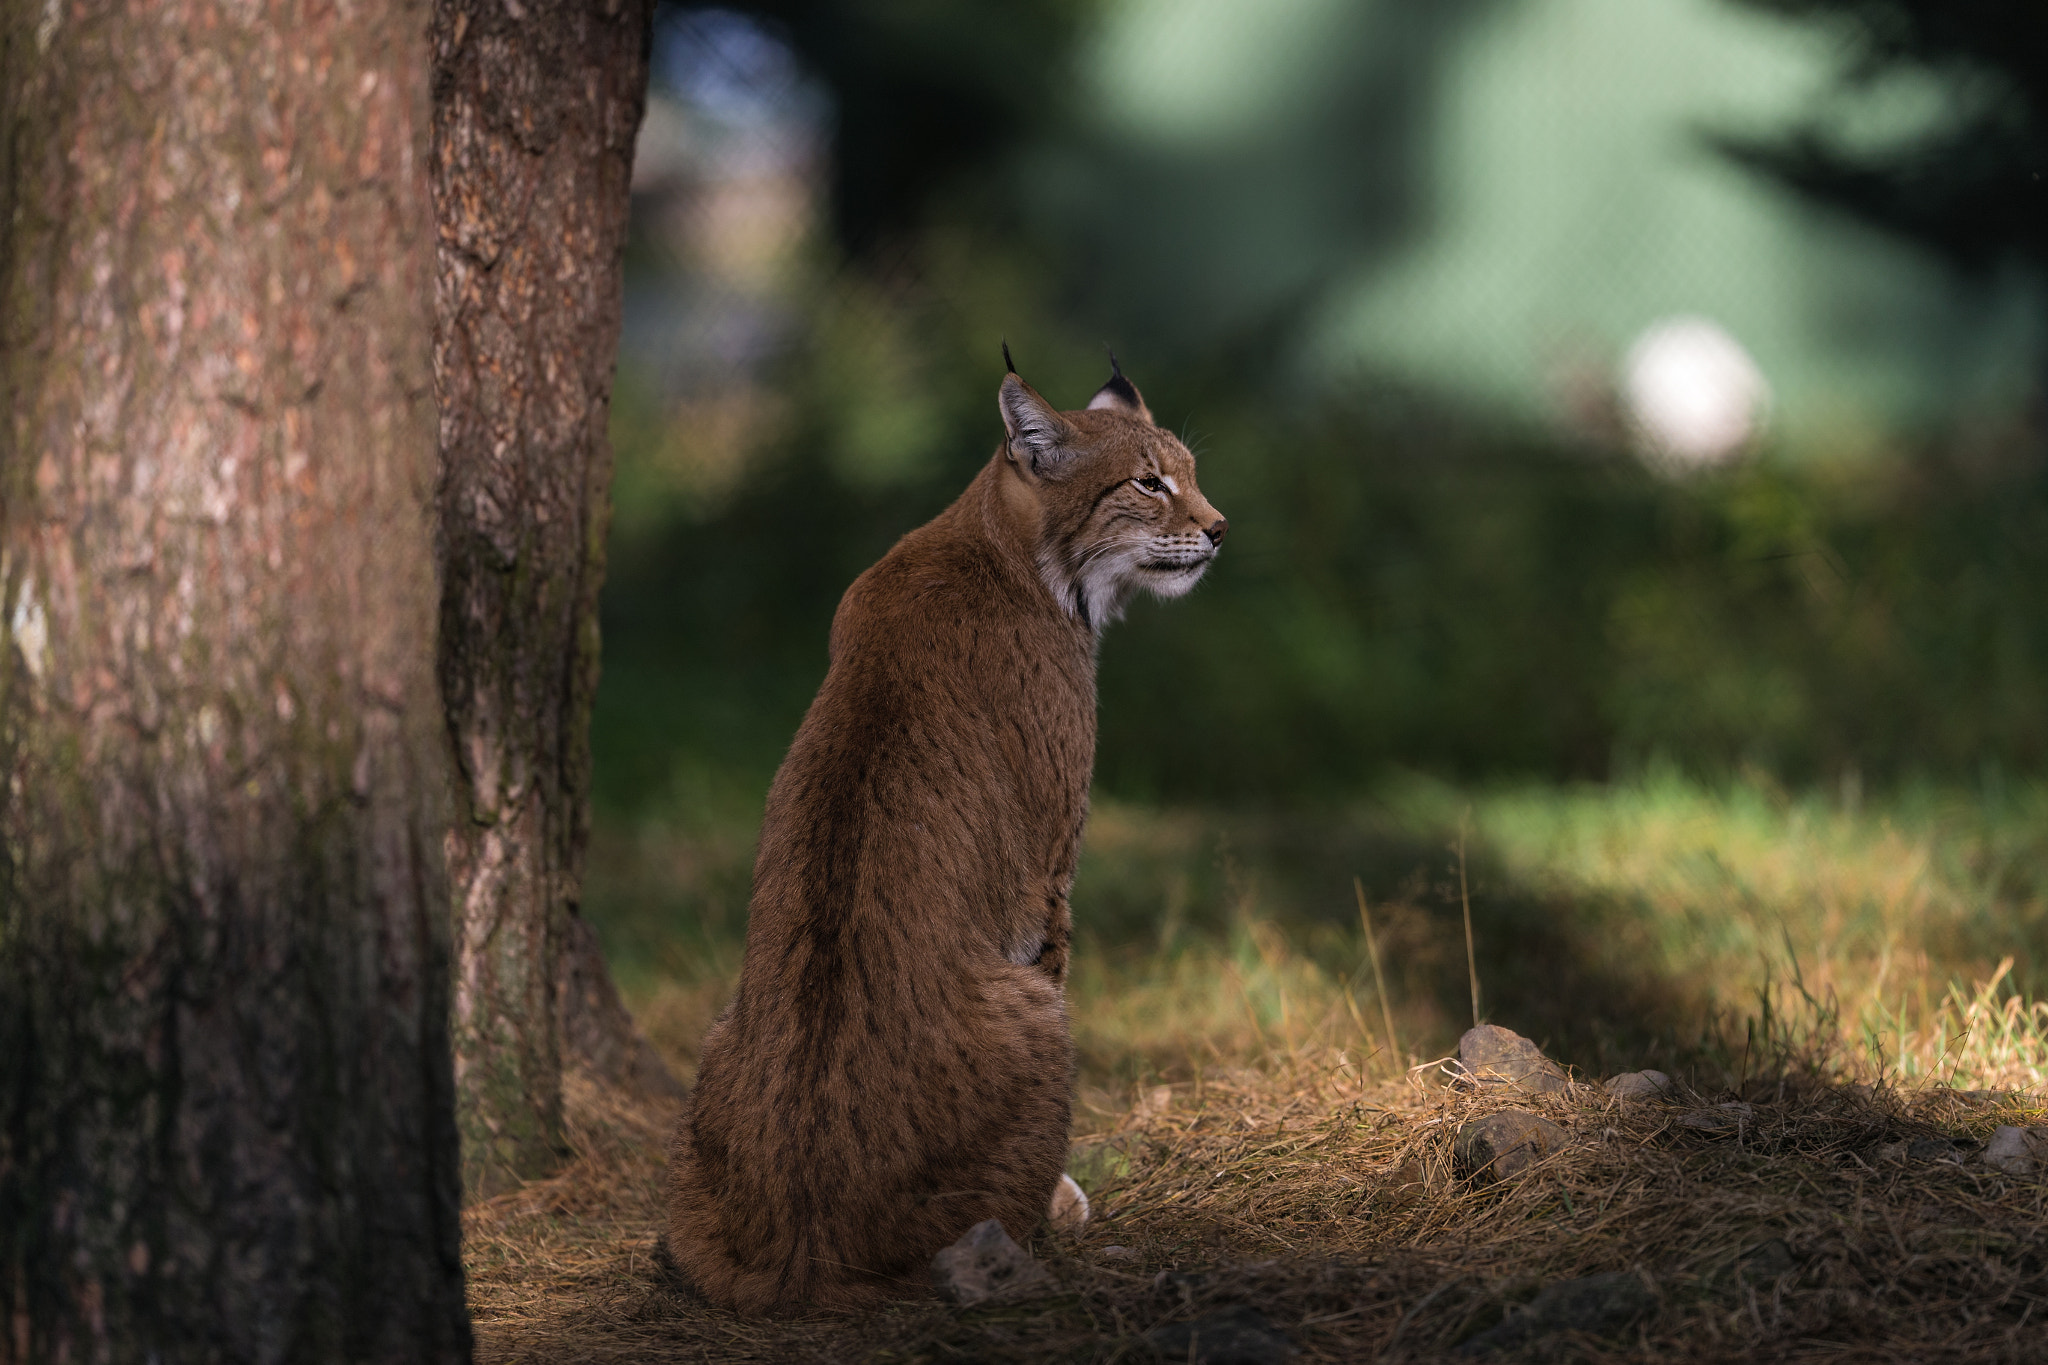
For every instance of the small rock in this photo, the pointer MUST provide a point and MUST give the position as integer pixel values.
(1502, 1146)
(985, 1264)
(1118, 1253)
(1640, 1085)
(1598, 1304)
(1939, 1149)
(1153, 1102)
(1236, 1335)
(1983, 1099)
(1492, 1055)
(2017, 1151)
(1731, 1117)
(1766, 1261)
(1406, 1184)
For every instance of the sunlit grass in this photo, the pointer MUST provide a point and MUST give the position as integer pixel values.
(1912, 930)
(1652, 922)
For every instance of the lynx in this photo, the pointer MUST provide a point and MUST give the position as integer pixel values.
(894, 1065)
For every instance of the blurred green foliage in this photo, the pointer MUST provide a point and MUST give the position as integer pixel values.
(1408, 592)
(1969, 185)
(1403, 587)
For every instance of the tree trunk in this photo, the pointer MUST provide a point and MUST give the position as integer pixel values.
(535, 111)
(226, 1103)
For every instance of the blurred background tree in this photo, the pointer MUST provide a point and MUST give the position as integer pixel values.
(1967, 183)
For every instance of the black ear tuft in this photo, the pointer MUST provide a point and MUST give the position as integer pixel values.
(1122, 388)
(1008, 365)
(1120, 392)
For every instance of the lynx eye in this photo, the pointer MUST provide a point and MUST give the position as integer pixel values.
(1150, 485)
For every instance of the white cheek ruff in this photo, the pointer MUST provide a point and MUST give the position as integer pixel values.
(1096, 590)
(1174, 582)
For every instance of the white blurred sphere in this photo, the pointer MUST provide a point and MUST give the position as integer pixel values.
(1694, 397)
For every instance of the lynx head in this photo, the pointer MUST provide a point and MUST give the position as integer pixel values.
(1118, 506)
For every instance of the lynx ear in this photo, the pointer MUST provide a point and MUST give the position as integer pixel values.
(1040, 439)
(1120, 394)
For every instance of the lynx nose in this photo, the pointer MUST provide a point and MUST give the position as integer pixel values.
(1215, 533)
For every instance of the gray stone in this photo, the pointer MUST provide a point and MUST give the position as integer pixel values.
(1730, 1117)
(1236, 1335)
(1180, 1284)
(1502, 1146)
(1492, 1055)
(1983, 1099)
(1640, 1085)
(2017, 1151)
(1766, 1261)
(1939, 1149)
(1597, 1304)
(1405, 1185)
(984, 1265)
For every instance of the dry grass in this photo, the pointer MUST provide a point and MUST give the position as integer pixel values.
(1249, 1137)
(1328, 1199)
(1347, 1191)
(1905, 925)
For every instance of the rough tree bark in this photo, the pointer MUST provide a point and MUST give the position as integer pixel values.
(535, 110)
(226, 1102)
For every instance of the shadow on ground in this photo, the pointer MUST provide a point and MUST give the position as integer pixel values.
(1572, 972)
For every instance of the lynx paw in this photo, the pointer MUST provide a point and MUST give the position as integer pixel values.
(1069, 1211)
